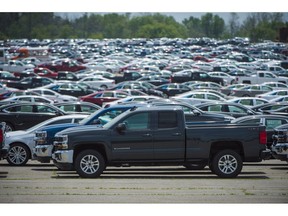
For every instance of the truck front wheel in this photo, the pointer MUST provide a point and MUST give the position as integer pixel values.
(89, 164)
(227, 164)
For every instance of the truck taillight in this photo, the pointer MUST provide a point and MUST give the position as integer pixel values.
(263, 137)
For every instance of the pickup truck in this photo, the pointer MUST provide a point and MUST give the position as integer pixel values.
(185, 76)
(156, 136)
(15, 66)
(44, 138)
(279, 148)
(3, 151)
(260, 77)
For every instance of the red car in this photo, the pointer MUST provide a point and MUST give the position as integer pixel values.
(45, 72)
(104, 96)
(63, 65)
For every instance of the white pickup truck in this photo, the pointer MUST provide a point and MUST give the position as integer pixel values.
(15, 66)
(260, 77)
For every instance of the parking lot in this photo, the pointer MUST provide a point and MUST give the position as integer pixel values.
(265, 182)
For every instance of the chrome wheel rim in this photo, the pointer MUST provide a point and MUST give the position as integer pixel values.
(227, 164)
(17, 155)
(89, 164)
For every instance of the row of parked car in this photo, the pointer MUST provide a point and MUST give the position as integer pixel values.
(221, 88)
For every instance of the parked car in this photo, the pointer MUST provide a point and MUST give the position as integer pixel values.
(273, 94)
(78, 107)
(270, 121)
(28, 98)
(63, 65)
(197, 97)
(269, 106)
(104, 96)
(21, 116)
(98, 82)
(248, 101)
(251, 90)
(52, 95)
(20, 143)
(172, 89)
(29, 82)
(130, 99)
(70, 88)
(228, 108)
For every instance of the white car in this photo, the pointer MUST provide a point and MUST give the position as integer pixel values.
(98, 82)
(28, 98)
(248, 101)
(131, 99)
(198, 97)
(273, 94)
(52, 95)
(20, 143)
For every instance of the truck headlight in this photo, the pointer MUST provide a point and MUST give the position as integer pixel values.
(61, 142)
(40, 137)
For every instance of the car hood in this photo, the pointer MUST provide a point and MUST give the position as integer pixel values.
(15, 133)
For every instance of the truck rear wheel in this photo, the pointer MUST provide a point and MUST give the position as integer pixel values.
(89, 164)
(227, 164)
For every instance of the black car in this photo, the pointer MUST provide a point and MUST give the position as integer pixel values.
(70, 88)
(29, 82)
(172, 89)
(191, 75)
(228, 108)
(262, 108)
(21, 116)
(80, 107)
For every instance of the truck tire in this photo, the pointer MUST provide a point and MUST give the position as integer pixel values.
(18, 155)
(227, 164)
(89, 164)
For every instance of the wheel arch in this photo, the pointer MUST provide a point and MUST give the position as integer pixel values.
(95, 146)
(226, 145)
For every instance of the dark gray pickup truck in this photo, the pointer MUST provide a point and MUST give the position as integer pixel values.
(156, 136)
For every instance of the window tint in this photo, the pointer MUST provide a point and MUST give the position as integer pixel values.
(137, 122)
(167, 119)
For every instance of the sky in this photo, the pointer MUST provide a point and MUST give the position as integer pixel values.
(179, 9)
(144, 6)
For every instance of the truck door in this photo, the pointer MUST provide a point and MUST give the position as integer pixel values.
(169, 136)
(135, 142)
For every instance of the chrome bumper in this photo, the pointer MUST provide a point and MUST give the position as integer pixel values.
(43, 150)
(64, 156)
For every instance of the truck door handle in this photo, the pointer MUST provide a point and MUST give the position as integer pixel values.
(176, 134)
(146, 135)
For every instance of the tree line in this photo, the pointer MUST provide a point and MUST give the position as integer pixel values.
(256, 26)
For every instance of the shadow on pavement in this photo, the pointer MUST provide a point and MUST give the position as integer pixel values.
(3, 174)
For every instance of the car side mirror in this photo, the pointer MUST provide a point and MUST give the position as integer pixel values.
(121, 127)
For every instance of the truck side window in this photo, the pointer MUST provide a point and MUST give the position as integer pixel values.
(138, 121)
(167, 119)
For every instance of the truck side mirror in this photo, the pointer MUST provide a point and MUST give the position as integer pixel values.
(121, 127)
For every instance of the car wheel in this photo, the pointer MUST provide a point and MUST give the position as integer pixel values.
(195, 166)
(89, 164)
(227, 164)
(8, 127)
(18, 155)
(104, 87)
